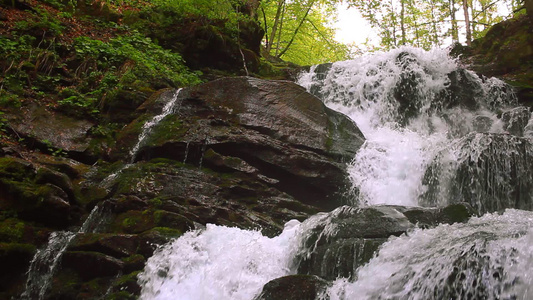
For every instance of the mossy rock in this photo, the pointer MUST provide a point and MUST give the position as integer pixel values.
(135, 221)
(15, 259)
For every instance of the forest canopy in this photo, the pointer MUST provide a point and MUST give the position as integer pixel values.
(303, 31)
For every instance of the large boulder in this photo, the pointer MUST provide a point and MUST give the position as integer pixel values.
(490, 171)
(294, 287)
(506, 51)
(273, 130)
(338, 243)
(53, 131)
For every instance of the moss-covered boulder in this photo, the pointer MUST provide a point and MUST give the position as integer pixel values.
(274, 130)
(506, 51)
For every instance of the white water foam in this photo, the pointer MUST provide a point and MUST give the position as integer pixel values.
(389, 168)
(487, 258)
(218, 263)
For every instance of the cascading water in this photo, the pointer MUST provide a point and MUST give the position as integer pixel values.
(436, 135)
(172, 106)
(488, 258)
(46, 260)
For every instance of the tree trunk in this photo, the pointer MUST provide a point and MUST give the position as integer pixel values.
(455, 31)
(529, 8)
(434, 24)
(297, 29)
(467, 23)
(402, 22)
(268, 46)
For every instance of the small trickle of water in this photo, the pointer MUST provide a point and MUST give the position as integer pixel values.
(186, 152)
(110, 179)
(46, 260)
(172, 106)
(44, 263)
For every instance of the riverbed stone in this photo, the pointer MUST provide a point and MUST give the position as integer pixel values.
(294, 287)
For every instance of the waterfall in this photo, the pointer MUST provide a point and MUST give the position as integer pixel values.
(172, 106)
(46, 260)
(411, 105)
(487, 258)
(436, 134)
(218, 263)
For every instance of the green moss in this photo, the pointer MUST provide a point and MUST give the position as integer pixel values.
(12, 230)
(171, 128)
(8, 249)
(134, 221)
(169, 233)
(121, 295)
(16, 169)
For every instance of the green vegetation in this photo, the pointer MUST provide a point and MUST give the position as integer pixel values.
(432, 23)
(299, 31)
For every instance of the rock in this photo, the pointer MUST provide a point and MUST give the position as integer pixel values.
(60, 180)
(275, 127)
(89, 265)
(338, 243)
(53, 129)
(33, 197)
(147, 195)
(487, 187)
(515, 120)
(116, 245)
(294, 287)
(463, 90)
(15, 259)
(505, 52)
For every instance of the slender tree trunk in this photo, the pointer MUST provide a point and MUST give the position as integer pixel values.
(273, 32)
(393, 17)
(297, 29)
(455, 31)
(280, 30)
(467, 23)
(529, 8)
(434, 24)
(402, 22)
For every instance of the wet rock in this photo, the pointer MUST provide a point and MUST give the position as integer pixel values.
(294, 287)
(515, 120)
(491, 172)
(15, 259)
(53, 129)
(45, 175)
(338, 243)
(89, 265)
(275, 127)
(504, 52)
(482, 123)
(116, 245)
(163, 193)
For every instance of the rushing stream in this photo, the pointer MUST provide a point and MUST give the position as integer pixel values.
(436, 135)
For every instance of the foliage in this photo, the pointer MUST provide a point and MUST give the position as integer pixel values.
(431, 23)
(300, 31)
(165, 13)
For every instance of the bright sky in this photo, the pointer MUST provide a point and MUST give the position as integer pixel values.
(353, 28)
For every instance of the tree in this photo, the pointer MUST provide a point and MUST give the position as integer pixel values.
(299, 31)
